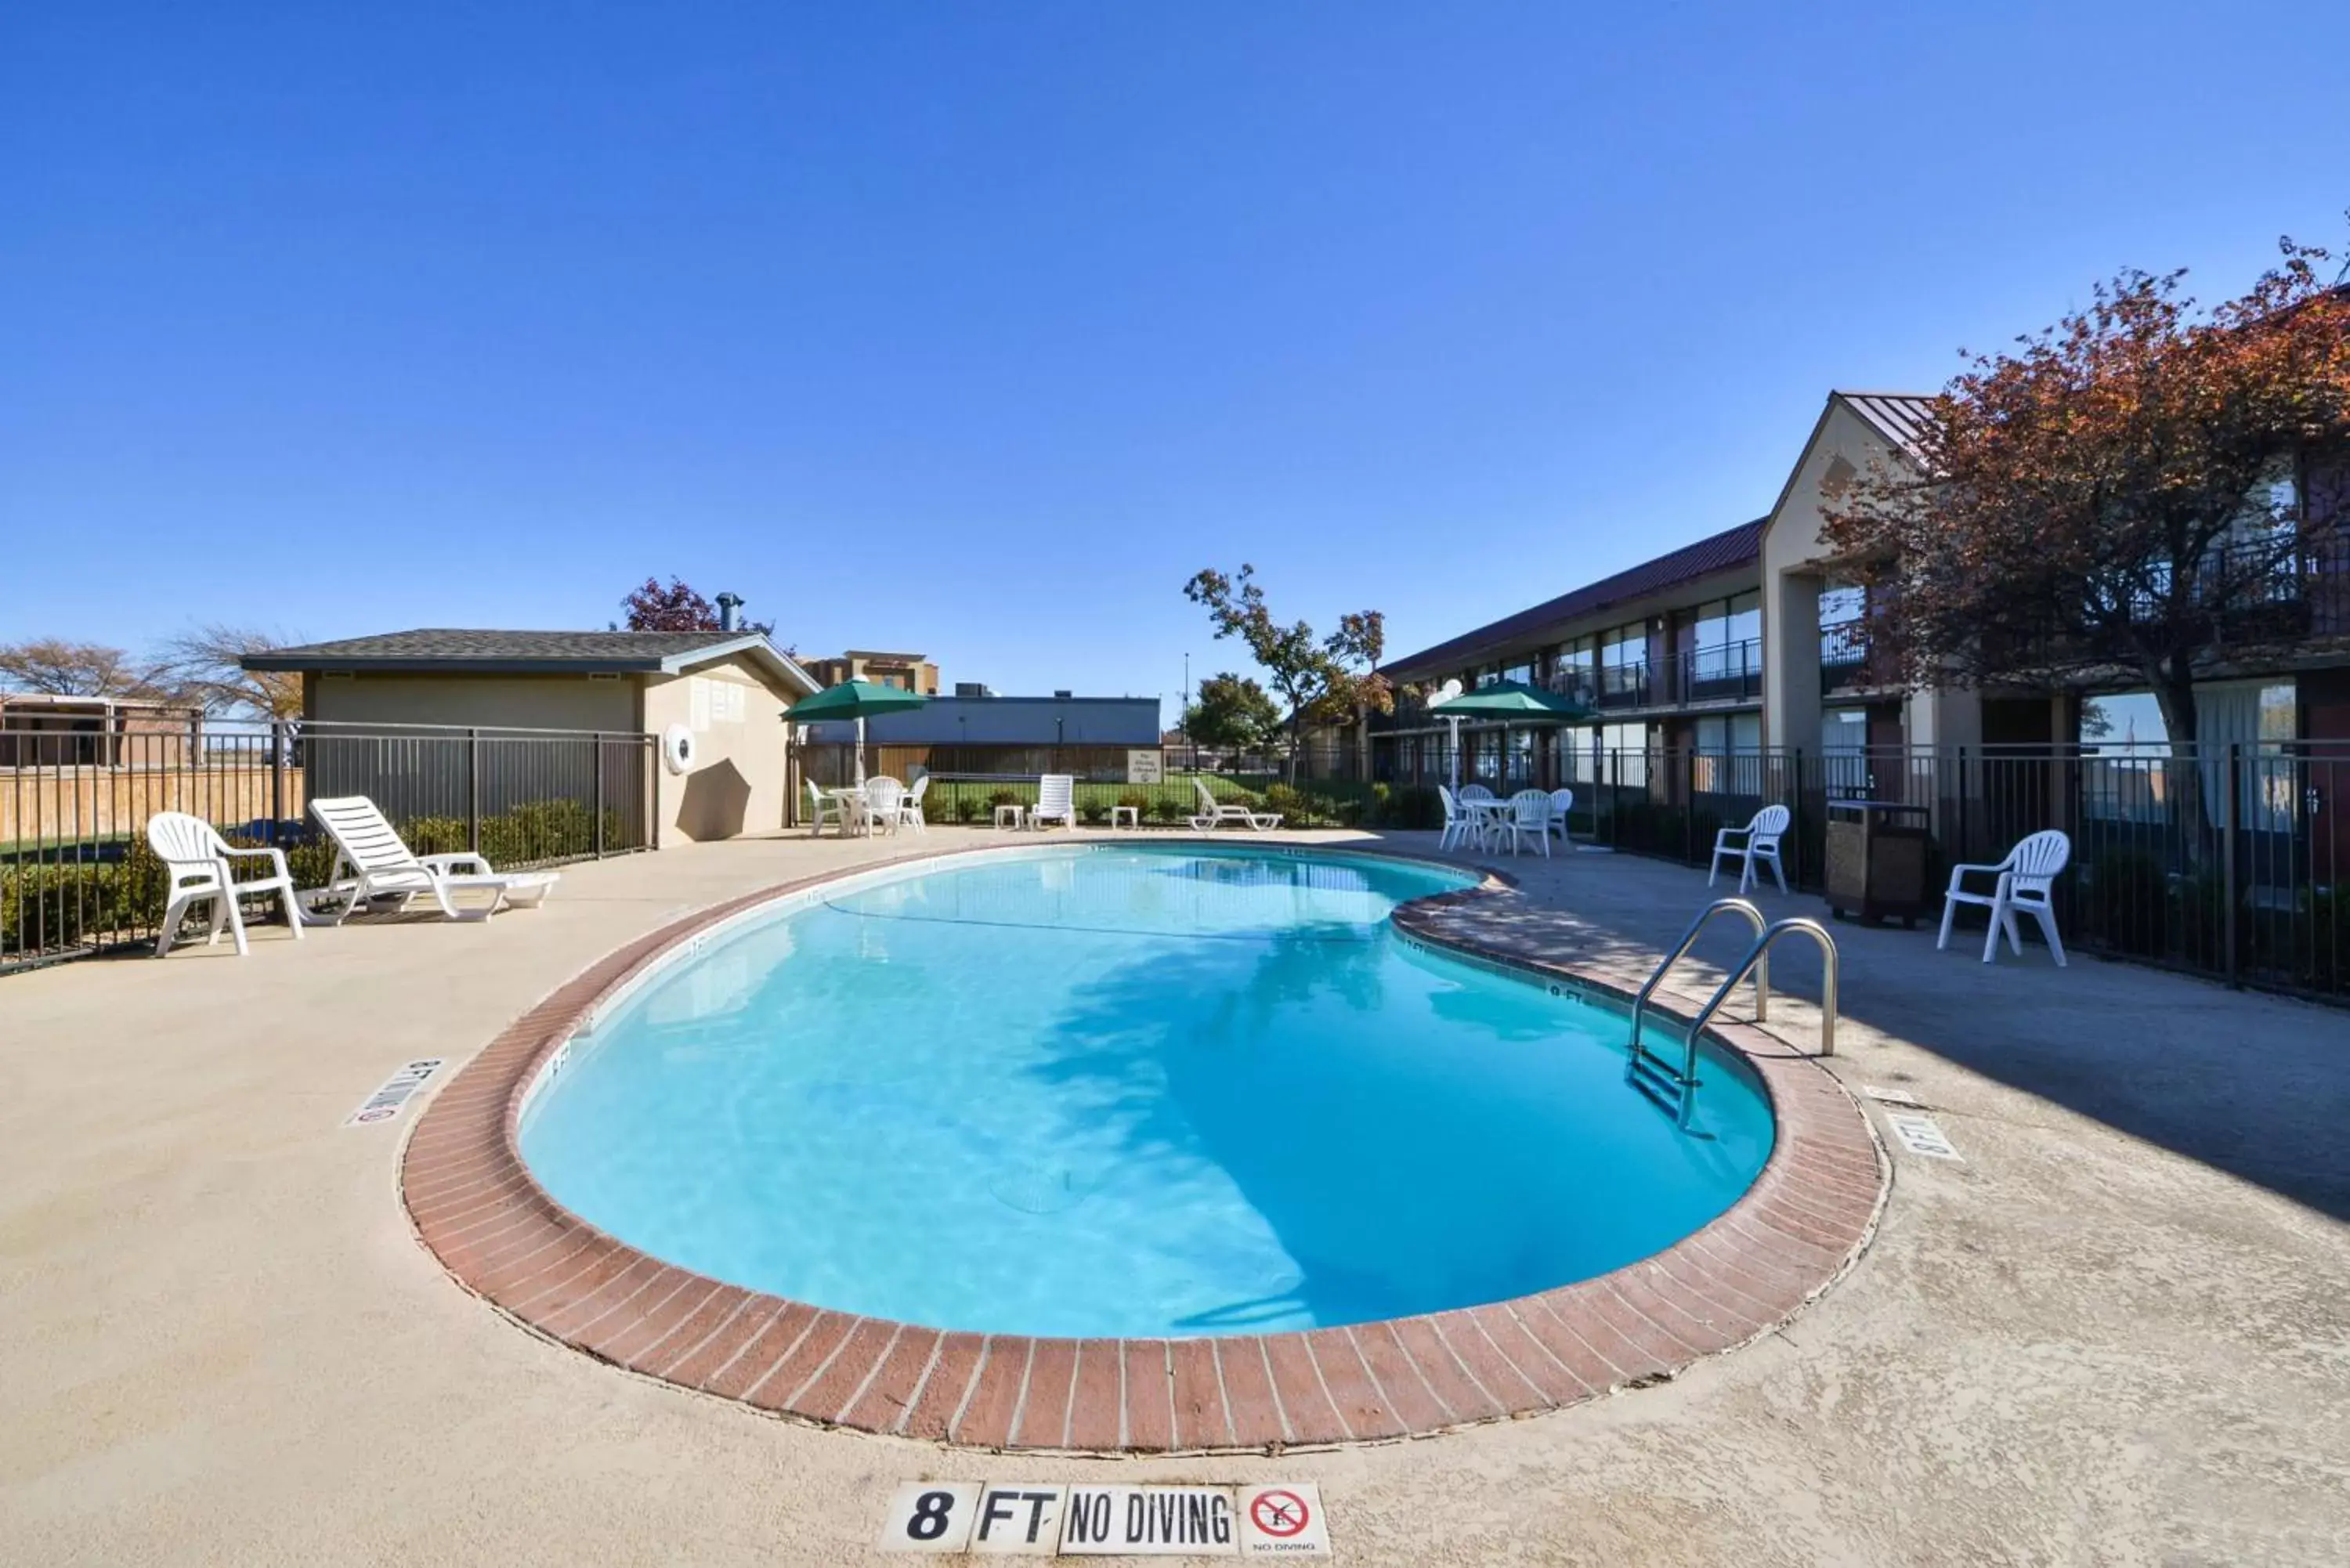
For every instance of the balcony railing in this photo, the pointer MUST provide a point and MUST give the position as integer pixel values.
(1729, 673)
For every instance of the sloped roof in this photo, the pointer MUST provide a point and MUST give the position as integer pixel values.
(1722, 552)
(1900, 417)
(460, 651)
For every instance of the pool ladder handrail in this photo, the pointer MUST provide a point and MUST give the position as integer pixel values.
(1674, 1091)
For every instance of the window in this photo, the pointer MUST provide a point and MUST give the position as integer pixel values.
(1728, 754)
(1521, 761)
(1522, 672)
(2131, 770)
(1572, 668)
(1729, 635)
(1579, 756)
(1843, 639)
(1624, 662)
(1626, 747)
(1843, 750)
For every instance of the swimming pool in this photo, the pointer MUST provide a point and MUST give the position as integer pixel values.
(1124, 1091)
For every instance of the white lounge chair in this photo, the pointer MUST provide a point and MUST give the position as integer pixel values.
(1759, 841)
(197, 861)
(371, 861)
(1213, 811)
(2024, 880)
(1055, 801)
(822, 806)
(910, 810)
(1562, 801)
(1527, 817)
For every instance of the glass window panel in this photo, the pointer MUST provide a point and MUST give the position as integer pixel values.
(1844, 744)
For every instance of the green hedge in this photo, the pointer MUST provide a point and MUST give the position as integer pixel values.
(1173, 802)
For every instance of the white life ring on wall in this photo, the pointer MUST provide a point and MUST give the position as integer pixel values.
(677, 748)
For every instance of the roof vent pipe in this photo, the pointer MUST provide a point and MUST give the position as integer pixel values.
(730, 612)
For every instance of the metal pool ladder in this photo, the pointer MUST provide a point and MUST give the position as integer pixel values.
(1674, 1090)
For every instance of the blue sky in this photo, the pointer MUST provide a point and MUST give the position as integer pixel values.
(977, 328)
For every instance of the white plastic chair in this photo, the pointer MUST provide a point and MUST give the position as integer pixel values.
(197, 859)
(1213, 811)
(372, 860)
(1055, 801)
(884, 803)
(1458, 822)
(910, 810)
(1528, 816)
(2024, 880)
(1562, 801)
(821, 806)
(1760, 843)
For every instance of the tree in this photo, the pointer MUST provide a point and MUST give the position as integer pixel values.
(1325, 680)
(1233, 711)
(676, 608)
(57, 667)
(204, 665)
(2114, 498)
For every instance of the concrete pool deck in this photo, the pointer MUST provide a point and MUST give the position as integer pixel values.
(2118, 1332)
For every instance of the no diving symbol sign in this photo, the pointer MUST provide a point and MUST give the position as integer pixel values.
(1049, 1519)
(1280, 1514)
(1283, 1522)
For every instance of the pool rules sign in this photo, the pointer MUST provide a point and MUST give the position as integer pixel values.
(1045, 1519)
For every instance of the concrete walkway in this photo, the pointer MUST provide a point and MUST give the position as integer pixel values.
(2116, 1333)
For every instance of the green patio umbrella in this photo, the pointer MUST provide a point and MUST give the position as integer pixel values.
(857, 700)
(1510, 701)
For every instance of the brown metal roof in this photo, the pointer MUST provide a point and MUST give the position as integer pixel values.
(1730, 548)
(1900, 418)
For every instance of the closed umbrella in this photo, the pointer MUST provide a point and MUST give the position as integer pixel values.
(856, 699)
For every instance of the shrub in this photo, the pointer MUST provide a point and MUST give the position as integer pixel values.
(1289, 802)
(2129, 900)
(1004, 797)
(1094, 812)
(1170, 809)
(1410, 806)
(968, 807)
(1139, 801)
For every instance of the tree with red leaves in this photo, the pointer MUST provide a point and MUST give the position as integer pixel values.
(1325, 680)
(676, 608)
(2129, 496)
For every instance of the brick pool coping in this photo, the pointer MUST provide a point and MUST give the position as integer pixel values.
(476, 1207)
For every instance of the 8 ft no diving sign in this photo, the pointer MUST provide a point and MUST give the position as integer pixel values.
(1048, 1519)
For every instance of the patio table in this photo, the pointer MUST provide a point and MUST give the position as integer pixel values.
(851, 802)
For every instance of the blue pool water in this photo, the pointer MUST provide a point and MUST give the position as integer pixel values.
(1127, 1092)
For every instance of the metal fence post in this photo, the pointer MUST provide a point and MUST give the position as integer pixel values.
(277, 779)
(1688, 805)
(2228, 825)
(1795, 790)
(596, 765)
(1958, 849)
(1613, 802)
(474, 790)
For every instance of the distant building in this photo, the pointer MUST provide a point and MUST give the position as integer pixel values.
(40, 731)
(1060, 720)
(914, 671)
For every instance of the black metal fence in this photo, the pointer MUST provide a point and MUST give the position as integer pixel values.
(2228, 861)
(77, 878)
